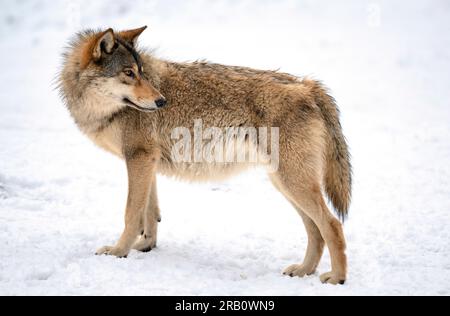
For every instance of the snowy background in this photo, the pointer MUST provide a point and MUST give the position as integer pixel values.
(386, 62)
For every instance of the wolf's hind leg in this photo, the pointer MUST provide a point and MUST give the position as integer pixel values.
(150, 219)
(314, 250)
(315, 247)
(306, 195)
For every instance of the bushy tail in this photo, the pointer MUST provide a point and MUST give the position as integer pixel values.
(338, 169)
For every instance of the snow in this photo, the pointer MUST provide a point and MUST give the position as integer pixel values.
(388, 65)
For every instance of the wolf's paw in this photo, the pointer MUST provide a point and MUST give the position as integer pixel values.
(332, 278)
(145, 244)
(298, 270)
(112, 251)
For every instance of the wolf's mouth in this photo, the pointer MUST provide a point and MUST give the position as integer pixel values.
(135, 106)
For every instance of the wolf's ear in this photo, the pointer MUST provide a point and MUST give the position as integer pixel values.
(105, 44)
(131, 36)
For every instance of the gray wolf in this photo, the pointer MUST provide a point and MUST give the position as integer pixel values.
(127, 101)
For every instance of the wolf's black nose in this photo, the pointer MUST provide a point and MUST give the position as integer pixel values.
(160, 103)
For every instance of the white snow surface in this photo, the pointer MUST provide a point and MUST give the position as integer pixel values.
(386, 62)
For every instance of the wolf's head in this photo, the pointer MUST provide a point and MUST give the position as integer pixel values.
(110, 69)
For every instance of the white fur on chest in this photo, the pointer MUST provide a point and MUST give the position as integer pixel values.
(109, 138)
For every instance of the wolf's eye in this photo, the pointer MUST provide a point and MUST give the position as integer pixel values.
(129, 73)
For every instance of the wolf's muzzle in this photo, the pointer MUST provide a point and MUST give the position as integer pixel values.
(160, 103)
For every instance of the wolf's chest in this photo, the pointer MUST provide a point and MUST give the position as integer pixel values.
(109, 138)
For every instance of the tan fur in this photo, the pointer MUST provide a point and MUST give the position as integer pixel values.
(91, 48)
(313, 151)
(132, 35)
(109, 138)
(143, 90)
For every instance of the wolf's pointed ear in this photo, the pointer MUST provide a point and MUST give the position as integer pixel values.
(105, 44)
(131, 36)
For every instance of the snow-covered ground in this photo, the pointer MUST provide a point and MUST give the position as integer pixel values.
(388, 65)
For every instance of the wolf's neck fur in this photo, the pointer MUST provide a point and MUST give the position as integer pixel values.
(91, 114)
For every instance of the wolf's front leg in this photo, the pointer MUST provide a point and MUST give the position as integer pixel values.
(141, 167)
(150, 220)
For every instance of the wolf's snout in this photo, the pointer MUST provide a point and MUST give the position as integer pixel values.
(160, 103)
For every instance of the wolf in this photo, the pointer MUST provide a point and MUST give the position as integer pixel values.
(127, 101)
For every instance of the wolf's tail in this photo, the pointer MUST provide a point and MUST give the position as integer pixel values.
(338, 169)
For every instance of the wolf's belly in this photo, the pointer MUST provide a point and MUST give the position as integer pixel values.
(214, 161)
(203, 171)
